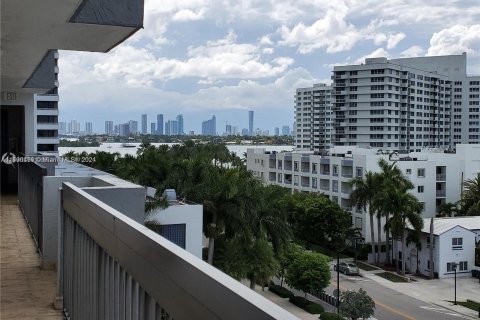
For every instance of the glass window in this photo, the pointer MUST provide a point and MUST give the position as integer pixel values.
(457, 243)
(421, 172)
(420, 189)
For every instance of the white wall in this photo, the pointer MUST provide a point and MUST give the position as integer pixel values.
(26, 100)
(191, 216)
(447, 254)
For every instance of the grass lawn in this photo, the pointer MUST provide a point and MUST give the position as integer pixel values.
(469, 304)
(391, 276)
(366, 267)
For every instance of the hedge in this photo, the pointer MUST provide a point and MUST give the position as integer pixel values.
(280, 291)
(307, 305)
(330, 316)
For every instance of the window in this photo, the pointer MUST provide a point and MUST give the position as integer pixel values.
(420, 189)
(334, 185)
(295, 165)
(279, 177)
(335, 170)
(359, 172)
(451, 266)
(295, 180)
(421, 173)
(408, 171)
(314, 183)
(314, 168)
(457, 243)
(463, 266)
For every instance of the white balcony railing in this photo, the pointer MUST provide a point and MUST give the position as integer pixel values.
(115, 268)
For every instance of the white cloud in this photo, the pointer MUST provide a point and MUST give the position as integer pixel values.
(331, 32)
(395, 39)
(455, 40)
(267, 50)
(188, 15)
(413, 51)
(379, 53)
(265, 40)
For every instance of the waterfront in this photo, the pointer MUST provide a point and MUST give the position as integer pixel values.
(238, 149)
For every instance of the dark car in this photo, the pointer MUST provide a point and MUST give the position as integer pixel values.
(347, 268)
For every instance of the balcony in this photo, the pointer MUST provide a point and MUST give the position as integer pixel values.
(441, 193)
(441, 177)
(110, 266)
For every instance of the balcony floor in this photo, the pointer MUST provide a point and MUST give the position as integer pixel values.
(27, 292)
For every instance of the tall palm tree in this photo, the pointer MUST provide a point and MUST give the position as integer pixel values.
(390, 177)
(362, 196)
(406, 211)
(470, 202)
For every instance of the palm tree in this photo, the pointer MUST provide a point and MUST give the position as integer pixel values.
(447, 209)
(363, 196)
(406, 210)
(470, 202)
(414, 237)
(390, 177)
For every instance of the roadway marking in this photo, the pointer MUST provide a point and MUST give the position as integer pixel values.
(391, 309)
(442, 310)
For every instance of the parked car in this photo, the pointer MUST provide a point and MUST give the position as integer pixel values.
(347, 268)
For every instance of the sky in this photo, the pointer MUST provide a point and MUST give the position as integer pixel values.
(201, 58)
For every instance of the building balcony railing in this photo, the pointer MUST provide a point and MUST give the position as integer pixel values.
(441, 177)
(347, 175)
(325, 188)
(113, 265)
(441, 193)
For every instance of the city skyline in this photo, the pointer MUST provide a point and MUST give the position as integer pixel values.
(191, 59)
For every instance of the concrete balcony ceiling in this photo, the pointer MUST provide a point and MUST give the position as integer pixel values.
(30, 29)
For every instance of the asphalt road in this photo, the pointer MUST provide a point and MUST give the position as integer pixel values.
(393, 305)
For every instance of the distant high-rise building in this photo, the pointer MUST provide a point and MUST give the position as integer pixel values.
(124, 129)
(235, 131)
(133, 126)
(152, 127)
(180, 131)
(160, 124)
(171, 128)
(191, 133)
(258, 132)
(250, 122)
(115, 129)
(209, 127)
(88, 127)
(228, 129)
(245, 132)
(277, 131)
(73, 127)
(285, 130)
(144, 124)
(62, 127)
(109, 127)
(266, 133)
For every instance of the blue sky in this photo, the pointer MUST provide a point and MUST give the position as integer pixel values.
(202, 58)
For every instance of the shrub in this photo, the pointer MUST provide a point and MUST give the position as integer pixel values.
(280, 291)
(307, 305)
(314, 308)
(330, 316)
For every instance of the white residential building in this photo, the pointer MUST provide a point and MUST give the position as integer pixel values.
(313, 118)
(437, 176)
(399, 104)
(46, 121)
(453, 243)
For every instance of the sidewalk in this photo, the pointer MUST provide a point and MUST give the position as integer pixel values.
(437, 291)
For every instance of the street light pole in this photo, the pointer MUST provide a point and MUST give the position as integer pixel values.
(455, 270)
(338, 282)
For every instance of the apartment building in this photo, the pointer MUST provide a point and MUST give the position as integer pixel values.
(399, 104)
(437, 176)
(313, 117)
(46, 121)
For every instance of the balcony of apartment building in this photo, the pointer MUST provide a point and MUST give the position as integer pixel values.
(345, 204)
(347, 169)
(272, 163)
(287, 179)
(288, 163)
(305, 181)
(75, 245)
(280, 165)
(272, 176)
(305, 164)
(441, 173)
(325, 169)
(441, 191)
(325, 184)
(346, 188)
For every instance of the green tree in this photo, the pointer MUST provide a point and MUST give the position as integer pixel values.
(390, 177)
(470, 201)
(356, 305)
(406, 211)
(364, 191)
(286, 256)
(308, 272)
(447, 209)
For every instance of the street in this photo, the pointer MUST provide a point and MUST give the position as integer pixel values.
(390, 304)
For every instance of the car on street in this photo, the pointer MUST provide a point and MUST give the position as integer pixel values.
(348, 268)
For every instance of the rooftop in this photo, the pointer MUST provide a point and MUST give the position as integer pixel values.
(441, 225)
